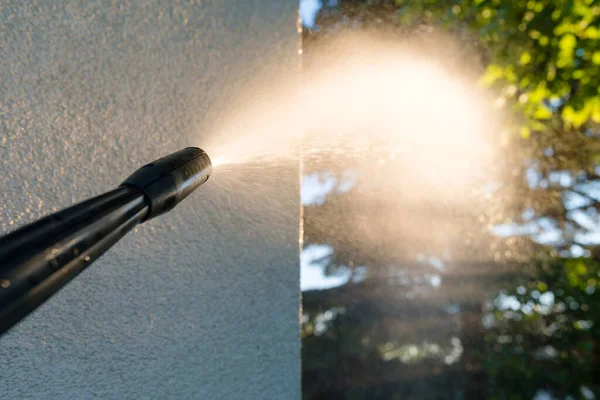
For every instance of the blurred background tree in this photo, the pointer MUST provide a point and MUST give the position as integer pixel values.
(516, 315)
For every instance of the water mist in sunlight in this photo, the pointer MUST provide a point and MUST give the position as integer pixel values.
(380, 98)
(413, 139)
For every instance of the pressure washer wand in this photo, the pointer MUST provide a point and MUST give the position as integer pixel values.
(42, 257)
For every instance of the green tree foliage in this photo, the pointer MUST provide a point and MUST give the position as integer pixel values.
(543, 56)
(545, 334)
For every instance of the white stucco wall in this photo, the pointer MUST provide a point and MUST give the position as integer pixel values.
(200, 303)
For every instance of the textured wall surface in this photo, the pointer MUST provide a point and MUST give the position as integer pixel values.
(200, 303)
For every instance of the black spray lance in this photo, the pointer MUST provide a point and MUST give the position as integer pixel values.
(40, 258)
